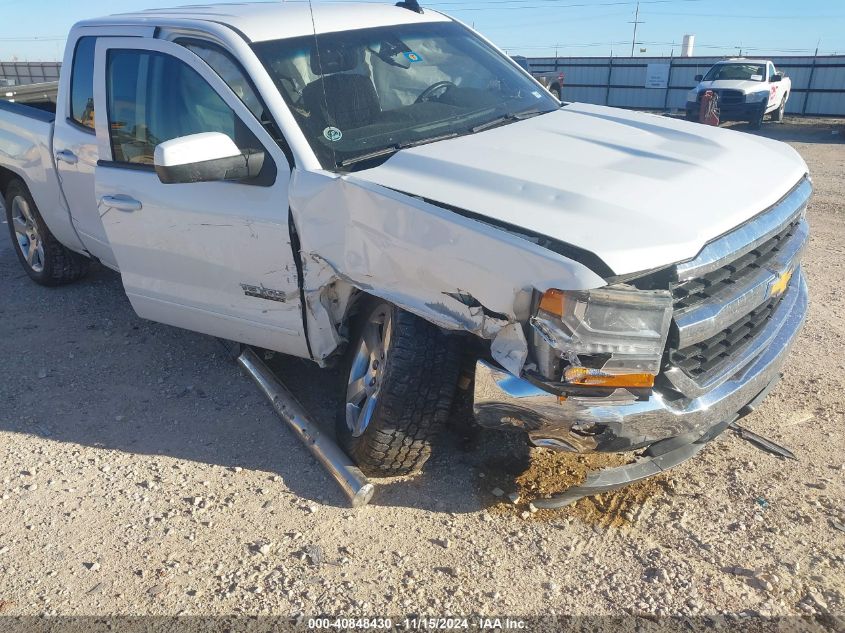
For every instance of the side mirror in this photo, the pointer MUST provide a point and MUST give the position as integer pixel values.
(777, 77)
(205, 157)
(699, 77)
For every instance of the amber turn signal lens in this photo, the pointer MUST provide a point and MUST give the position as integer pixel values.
(596, 378)
(553, 301)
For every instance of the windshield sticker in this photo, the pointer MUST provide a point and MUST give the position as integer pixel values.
(412, 57)
(756, 77)
(536, 94)
(332, 134)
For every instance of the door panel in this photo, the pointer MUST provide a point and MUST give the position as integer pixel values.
(75, 146)
(213, 257)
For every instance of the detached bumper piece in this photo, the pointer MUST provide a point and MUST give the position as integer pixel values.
(663, 456)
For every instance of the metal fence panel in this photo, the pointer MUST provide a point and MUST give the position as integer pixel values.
(24, 73)
(818, 83)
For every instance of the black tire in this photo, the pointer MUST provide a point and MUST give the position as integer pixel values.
(54, 264)
(555, 90)
(416, 385)
(757, 122)
(692, 116)
(777, 115)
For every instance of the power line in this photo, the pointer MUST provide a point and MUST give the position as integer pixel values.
(558, 2)
(32, 39)
(522, 5)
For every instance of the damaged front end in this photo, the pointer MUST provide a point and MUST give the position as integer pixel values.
(577, 364)
(628, 367)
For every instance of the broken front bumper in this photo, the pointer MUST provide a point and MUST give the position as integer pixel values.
(622, 423)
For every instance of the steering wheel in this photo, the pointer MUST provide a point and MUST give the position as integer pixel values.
(425, 95)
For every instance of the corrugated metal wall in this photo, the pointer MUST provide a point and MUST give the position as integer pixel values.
(23, 73)
(818, 83)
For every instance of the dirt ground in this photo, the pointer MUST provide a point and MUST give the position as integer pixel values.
(142, 473)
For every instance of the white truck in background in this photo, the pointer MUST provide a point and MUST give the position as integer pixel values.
(381, 186)
(553, 81)
(747, 90)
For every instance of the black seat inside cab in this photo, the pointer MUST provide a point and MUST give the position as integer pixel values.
(339, 97)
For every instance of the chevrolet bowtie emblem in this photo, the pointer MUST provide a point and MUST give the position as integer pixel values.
(779, 285)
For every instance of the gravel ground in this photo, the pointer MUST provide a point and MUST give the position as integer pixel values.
(142, 473)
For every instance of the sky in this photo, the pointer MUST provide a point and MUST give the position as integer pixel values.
(35, 30)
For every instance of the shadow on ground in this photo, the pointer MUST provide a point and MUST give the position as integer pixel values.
(80, 367)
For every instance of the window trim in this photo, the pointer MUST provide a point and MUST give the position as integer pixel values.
(120, 164)
(69, 118)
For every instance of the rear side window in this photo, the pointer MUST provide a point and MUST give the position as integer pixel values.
(152, 98)
(82, 83)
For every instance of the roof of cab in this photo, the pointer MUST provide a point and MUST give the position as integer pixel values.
(260, 21)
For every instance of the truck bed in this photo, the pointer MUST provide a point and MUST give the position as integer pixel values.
(41, 96)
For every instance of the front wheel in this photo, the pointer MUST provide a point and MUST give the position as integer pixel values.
(556, 93)
(777, 115)
(757, 122)
(401, 377)
(44, 258)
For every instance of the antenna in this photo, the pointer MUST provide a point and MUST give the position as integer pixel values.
(320, 63)
(411, 5)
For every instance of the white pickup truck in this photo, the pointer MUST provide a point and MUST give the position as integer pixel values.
(380, 185)
(747, 90)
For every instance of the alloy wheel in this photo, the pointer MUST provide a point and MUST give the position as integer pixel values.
(367, 371)
(29, 238)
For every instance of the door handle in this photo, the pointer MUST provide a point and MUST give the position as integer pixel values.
(121, 202)
(67, 156)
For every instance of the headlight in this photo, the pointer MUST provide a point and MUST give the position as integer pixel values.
(692, 95)
(757, 97)
(622, 325)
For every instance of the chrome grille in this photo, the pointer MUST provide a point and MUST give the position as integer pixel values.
(727, 97)
(699, 359)
(693, 292)
(725, 297)
(731, 97)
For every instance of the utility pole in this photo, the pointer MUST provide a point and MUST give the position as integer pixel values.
(636, 23)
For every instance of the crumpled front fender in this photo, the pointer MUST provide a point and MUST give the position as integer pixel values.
(456, 272)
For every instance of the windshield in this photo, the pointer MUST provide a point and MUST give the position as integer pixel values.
(743, 72)
(365, 93)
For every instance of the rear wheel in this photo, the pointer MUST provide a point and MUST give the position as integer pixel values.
(45, 260)
(401, 377)
(555, 90)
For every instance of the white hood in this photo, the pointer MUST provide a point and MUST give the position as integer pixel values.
(640, 191)
(744, 85)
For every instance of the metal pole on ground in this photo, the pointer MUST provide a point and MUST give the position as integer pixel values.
(348, 476)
